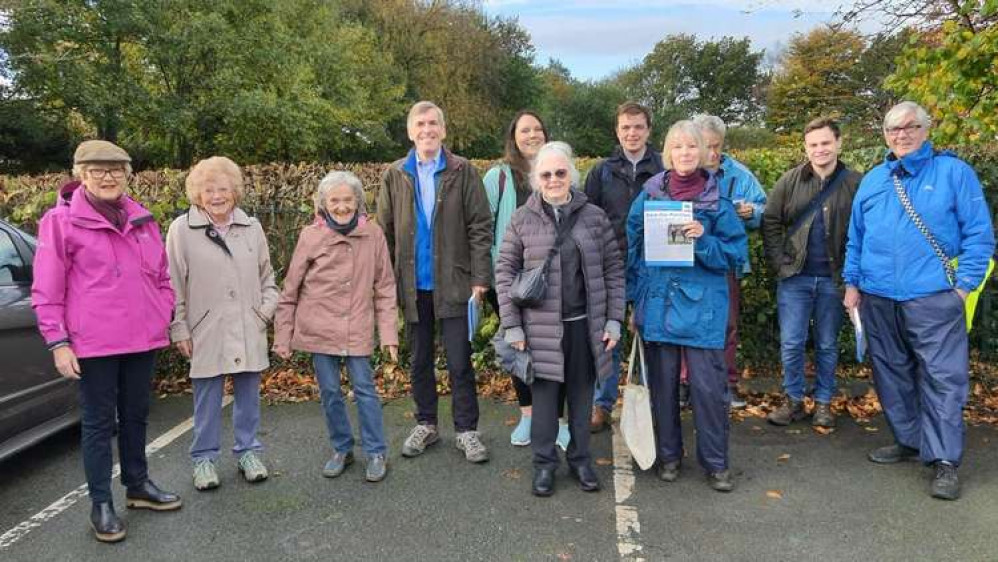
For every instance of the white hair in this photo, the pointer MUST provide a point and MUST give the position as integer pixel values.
(557, 148)
(711, 123)
(895, 116)
(335, 179)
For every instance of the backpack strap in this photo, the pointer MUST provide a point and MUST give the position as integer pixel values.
(502, 190)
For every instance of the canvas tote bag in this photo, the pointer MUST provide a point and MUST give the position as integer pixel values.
(635, 420)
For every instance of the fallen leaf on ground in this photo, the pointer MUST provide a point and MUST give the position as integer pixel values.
(409, 415)
(871, 429)
(604, 461)
(783, 457)
(774, 494)
(794, 431)
(756, 428)
(823, 430)
(511, 422)
(512, 473)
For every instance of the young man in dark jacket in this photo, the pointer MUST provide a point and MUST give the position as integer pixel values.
(804, 231)
(612, 185)
(433, 209)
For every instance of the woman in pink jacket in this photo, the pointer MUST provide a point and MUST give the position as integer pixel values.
(338, 288)
(103, 300)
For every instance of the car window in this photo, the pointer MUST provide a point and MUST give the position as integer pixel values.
(12, 269)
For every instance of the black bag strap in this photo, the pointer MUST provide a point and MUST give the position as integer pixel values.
(495, 216)
(817, 201)
(564, 227)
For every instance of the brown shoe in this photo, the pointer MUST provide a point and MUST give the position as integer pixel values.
(791, 411)
(600, 420)
(823, 416)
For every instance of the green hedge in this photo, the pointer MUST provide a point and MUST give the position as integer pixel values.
(280, 195)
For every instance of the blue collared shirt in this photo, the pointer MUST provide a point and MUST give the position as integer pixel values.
(425, 170)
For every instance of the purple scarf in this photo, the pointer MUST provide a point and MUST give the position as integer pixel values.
(687, 188)
(113, 211)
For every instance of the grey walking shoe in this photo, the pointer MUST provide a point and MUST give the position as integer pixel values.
(252, 468)
(377, 468)
(946, 484)
(721, 481)
(205, 475)
(471, 443)
(421, 437)
(892, 454)
(823, 416)
(337, 464)
(791, 411)
(668, 471)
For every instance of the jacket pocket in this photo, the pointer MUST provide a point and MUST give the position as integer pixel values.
(200, 322)
(260, 320)
(683, 318)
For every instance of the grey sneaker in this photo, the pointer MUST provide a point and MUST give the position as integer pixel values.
(946, 484)
(421, 437)
(721, 481)
(337, 464)
(823, 416)
(252, 467)
(471, 443)
(791, 411)
(205, 475)
(668, 471)
(377, 468)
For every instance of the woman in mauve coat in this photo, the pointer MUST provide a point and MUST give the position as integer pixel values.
(103, 299)
(571, 333)
(226, 296)
(338, 288)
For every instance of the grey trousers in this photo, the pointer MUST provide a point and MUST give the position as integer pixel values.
(208, 414)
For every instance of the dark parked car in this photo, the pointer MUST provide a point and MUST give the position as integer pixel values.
(35, 401)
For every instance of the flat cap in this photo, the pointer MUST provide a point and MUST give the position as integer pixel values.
(99, 151)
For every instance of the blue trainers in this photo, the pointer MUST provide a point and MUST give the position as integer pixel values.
(564, 437)
(521, 434)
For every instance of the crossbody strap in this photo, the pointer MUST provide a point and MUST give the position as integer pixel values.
(909, 208)
(502, 190)
(563, 227)
(816, 202)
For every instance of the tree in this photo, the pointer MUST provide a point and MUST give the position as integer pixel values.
(832, 72)
(683, 76)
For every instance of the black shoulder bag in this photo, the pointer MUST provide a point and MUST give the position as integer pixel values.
(530, 285)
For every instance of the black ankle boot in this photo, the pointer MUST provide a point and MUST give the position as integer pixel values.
(543, 484)
(105, 522)
(149, 496)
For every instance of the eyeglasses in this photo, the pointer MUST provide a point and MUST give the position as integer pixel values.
(101, 173)
(560, 174)
(895, 131)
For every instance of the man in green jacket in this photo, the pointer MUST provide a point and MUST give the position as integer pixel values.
(433, 209)
(804, 230)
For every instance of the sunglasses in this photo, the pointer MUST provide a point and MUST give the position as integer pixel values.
(560, 174)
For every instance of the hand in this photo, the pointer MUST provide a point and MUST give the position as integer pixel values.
(519, 345)
(963, 294)
(479, 292)
(693, 229)
(852, 298)
(392, 351)
(610, 342)
(185, 348)
(66, 363)
(745, 211)
(282, 351)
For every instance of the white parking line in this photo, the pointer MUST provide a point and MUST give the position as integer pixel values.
(62, 504)
(628, 526)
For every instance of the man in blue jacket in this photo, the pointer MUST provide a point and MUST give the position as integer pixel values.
(612, 185)
(912, 214)
(738, 184)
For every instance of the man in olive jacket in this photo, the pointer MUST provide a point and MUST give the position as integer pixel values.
(804, 230)
(436, 217)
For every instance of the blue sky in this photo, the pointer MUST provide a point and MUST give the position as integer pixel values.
(594, 38)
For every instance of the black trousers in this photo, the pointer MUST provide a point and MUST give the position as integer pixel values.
(523, 395)
(580, 376)
(422, 342)
(115, 383)
(709, 396)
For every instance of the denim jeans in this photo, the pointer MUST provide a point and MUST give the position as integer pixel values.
(802, 299)
(372, 430)
(109, 385)
(208, 392)
(606, 391)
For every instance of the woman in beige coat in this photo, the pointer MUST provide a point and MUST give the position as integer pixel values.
(225, 297)
(339, 286)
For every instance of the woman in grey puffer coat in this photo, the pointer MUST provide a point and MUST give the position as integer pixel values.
(571, 333)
